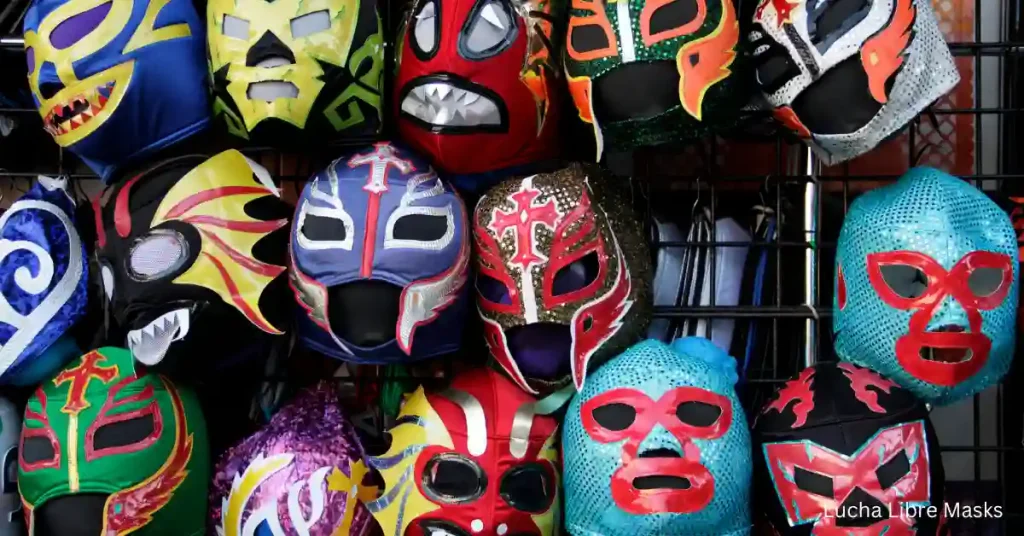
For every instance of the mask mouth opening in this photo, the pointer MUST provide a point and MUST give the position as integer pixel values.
(433, 527)
(272, 90)
(446, 103)
(616, 97)
(541, 350)
(654, 481)
(946, 354)
(364, 313)
(71, 515)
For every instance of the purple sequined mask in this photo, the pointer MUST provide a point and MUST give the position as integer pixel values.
(380, 259)
(298, 475)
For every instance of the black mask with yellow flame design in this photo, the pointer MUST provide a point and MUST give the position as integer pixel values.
(189, 251)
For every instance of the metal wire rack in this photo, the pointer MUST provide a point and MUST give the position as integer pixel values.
(974, 133)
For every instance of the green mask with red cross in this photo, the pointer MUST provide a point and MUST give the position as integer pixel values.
(108, 451)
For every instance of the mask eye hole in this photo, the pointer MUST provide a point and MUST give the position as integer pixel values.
(157, 254)
(321, 229)
(615, 416)
(830, 19)
(73, 29)
(38, 450)
(985, 281)
(30, 59)
(697, 413)
(812, 482)
(311, 23)
(905, 280)
(492, 290)
(893, 470)
(491, 29)
(125, 433)
(421, 227)
(576, 275)
(453, 479)
(665, 19)
(235, 28)
(425, 29)
(527, 488)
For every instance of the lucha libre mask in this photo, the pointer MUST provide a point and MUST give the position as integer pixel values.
(477, 88)
(307, 451)
(684, 55)
(43, 283)
(885, 61)
(926, 286)
(108, 451)
(115, 81)
(380, 258)
(842, 451)
(657, 443)
(12, 519)
(188, 252)
(460, 465)
(286, 66)
(563, 276)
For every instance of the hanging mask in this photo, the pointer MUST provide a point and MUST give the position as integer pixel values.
(685, 55)
(657, 443)
(115, 81)
(478, 84)
(287, 66)
(12, 518)
(926, 286)
(295, 476)
(43, 283)
(460, 465)
(380, 259)
(108, 451)
(190, 250)
(841, 450)
(563, 278)
(885, 61)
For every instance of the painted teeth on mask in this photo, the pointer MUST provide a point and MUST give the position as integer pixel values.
(64, 118)
(446, 105)
(440, 532)
(149, 345)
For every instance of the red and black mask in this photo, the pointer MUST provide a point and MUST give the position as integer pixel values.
(478, 84)
(844, 451)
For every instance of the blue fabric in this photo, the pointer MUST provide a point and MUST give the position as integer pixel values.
(946, 219)
(166, 99)
(43, 277)
(655, 369)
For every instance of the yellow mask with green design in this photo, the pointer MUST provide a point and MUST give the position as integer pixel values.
(292, 66)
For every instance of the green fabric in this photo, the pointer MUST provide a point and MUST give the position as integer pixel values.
(157, 485)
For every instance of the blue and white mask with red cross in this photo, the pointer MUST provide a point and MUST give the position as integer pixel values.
(926, 286)
(380, 256)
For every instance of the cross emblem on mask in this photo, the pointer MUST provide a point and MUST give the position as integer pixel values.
(522, 222)
(380, 161)
(79, 377)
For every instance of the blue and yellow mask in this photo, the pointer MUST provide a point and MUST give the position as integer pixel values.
(115, 80)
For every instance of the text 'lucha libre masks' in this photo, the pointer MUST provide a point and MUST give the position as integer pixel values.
(478, 86)
(656, 443)
(105, 450)
(380, 257)
(885, 61)
(563, 276)
(300, 474)
(683, 54)
(12, 519)
(43, 283)
(190, 250)
(116, 80)
(926, 286)
(842, 451)
(285, 66)
(474, 458)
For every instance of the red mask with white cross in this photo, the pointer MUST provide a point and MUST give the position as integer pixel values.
(561, 281)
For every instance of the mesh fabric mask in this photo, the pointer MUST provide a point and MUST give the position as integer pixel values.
(563, 275)
(109, 451)
(117, 80)
(43, 280)
(842, 451)
(189, 250)
(684, 54)
(478, 83)
(474, 458)
(289, 66)
(885, 61)
(926, 286)
(656, 443)
(295, 476)
(380, 258)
